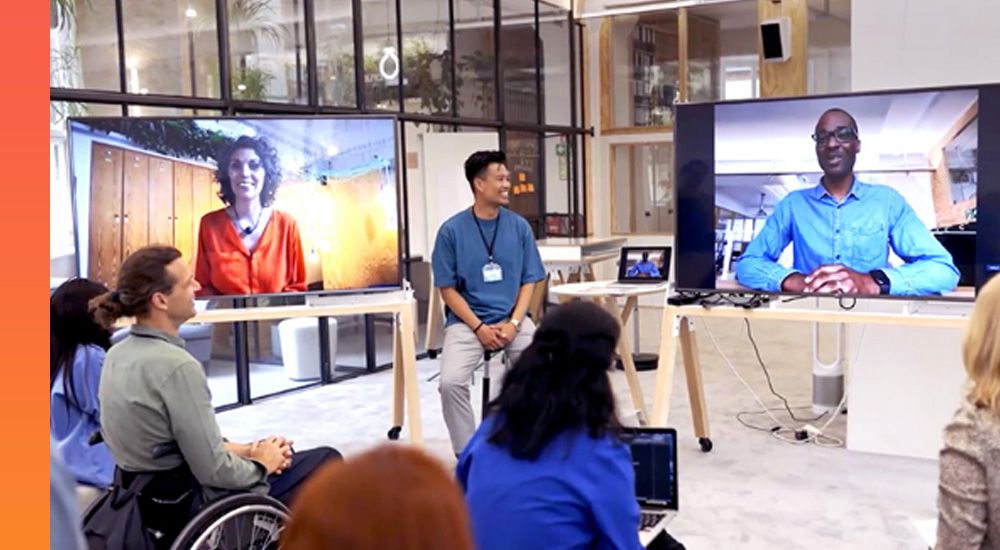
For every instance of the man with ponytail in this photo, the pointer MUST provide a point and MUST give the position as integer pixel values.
(153, 392)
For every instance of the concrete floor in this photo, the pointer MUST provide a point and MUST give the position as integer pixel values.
(751, 491)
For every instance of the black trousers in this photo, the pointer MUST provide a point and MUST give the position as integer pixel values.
(284, 487)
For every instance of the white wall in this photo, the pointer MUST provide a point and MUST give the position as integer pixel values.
(916, 43)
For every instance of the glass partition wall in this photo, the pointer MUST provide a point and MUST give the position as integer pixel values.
(432, 63)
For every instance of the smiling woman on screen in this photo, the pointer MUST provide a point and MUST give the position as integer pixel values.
(248, 247)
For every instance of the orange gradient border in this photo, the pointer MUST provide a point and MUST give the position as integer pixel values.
(24, 518)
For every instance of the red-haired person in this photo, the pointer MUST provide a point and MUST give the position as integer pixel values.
(391, 497)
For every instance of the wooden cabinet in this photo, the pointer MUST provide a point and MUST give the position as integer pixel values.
(135, 226)
(138, 199)
(105, 220)
(161, 201)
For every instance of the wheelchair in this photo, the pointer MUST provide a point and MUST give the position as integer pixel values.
(245, 521)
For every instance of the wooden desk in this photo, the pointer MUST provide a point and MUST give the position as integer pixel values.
(607, 296)
(678, 328)
(404, 381)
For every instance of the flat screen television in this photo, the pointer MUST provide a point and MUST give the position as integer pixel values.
(891, 193)
(257, 205)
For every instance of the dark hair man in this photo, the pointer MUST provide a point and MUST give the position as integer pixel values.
(486, 265)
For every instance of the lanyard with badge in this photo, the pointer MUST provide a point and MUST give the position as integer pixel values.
(492, 272)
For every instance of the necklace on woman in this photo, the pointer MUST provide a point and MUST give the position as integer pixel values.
(249, 229)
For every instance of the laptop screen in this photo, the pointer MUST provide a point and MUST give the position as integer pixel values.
(644, 264)
(654, 457)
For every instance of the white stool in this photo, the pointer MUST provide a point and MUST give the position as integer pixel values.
(299, 339)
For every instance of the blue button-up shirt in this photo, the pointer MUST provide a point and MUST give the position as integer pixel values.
(645, 268)
(855, 232)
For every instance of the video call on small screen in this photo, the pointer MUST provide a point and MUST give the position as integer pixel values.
(645, 263)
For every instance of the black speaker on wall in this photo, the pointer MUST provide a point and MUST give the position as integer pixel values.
(776, 39)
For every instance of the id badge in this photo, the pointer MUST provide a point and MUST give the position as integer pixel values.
(492, 273)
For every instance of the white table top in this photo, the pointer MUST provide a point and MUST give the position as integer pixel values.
(605, 288)
(577, 250)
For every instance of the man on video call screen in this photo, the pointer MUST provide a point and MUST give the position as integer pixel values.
(643, 269)
(841, 231)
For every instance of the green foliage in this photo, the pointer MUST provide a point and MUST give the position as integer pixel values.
(420, 63)
(478, 63)
(59, 111)
(175, 138)
(256, 15)
(254, 82)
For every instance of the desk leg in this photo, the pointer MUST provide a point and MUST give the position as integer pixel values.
(629, 309)
(665, 368)
(408, 352)
(538, 299)
(398, 383)
(696, 389)
(574, 277)
(435, 322)
(625, 351)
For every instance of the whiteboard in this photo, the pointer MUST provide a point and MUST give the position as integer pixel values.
(446, 191)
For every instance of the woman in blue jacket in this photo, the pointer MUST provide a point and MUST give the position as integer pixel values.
(546, 468)
(76, 353)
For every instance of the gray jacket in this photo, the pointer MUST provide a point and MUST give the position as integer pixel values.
(153, 391)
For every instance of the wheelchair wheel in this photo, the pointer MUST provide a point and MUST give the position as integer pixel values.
(239, 522)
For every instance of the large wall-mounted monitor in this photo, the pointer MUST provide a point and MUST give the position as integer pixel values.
(758, 198)
(257, 205)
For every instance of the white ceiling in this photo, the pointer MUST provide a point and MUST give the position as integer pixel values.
(765, 147)
(896, 130)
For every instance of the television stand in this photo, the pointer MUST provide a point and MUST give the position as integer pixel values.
(678, 330)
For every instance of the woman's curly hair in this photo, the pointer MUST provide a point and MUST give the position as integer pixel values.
(268, 158)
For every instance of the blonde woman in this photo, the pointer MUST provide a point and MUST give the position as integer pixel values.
(969, 494)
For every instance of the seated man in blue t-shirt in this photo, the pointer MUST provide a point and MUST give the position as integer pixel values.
(643, 268)
(486, 265)
(841, 232)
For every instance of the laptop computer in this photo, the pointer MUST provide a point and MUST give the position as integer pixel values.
(643, 265)
(654, 457)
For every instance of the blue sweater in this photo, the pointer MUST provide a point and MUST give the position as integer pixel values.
(578, 493)
(71, 423)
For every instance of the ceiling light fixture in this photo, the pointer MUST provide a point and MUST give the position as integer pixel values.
(388, 66)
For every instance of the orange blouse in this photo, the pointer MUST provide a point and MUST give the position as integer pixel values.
(224, 267)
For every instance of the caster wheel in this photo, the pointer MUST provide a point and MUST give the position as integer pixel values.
(705, 443)
(432, 353)
(394, 432)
